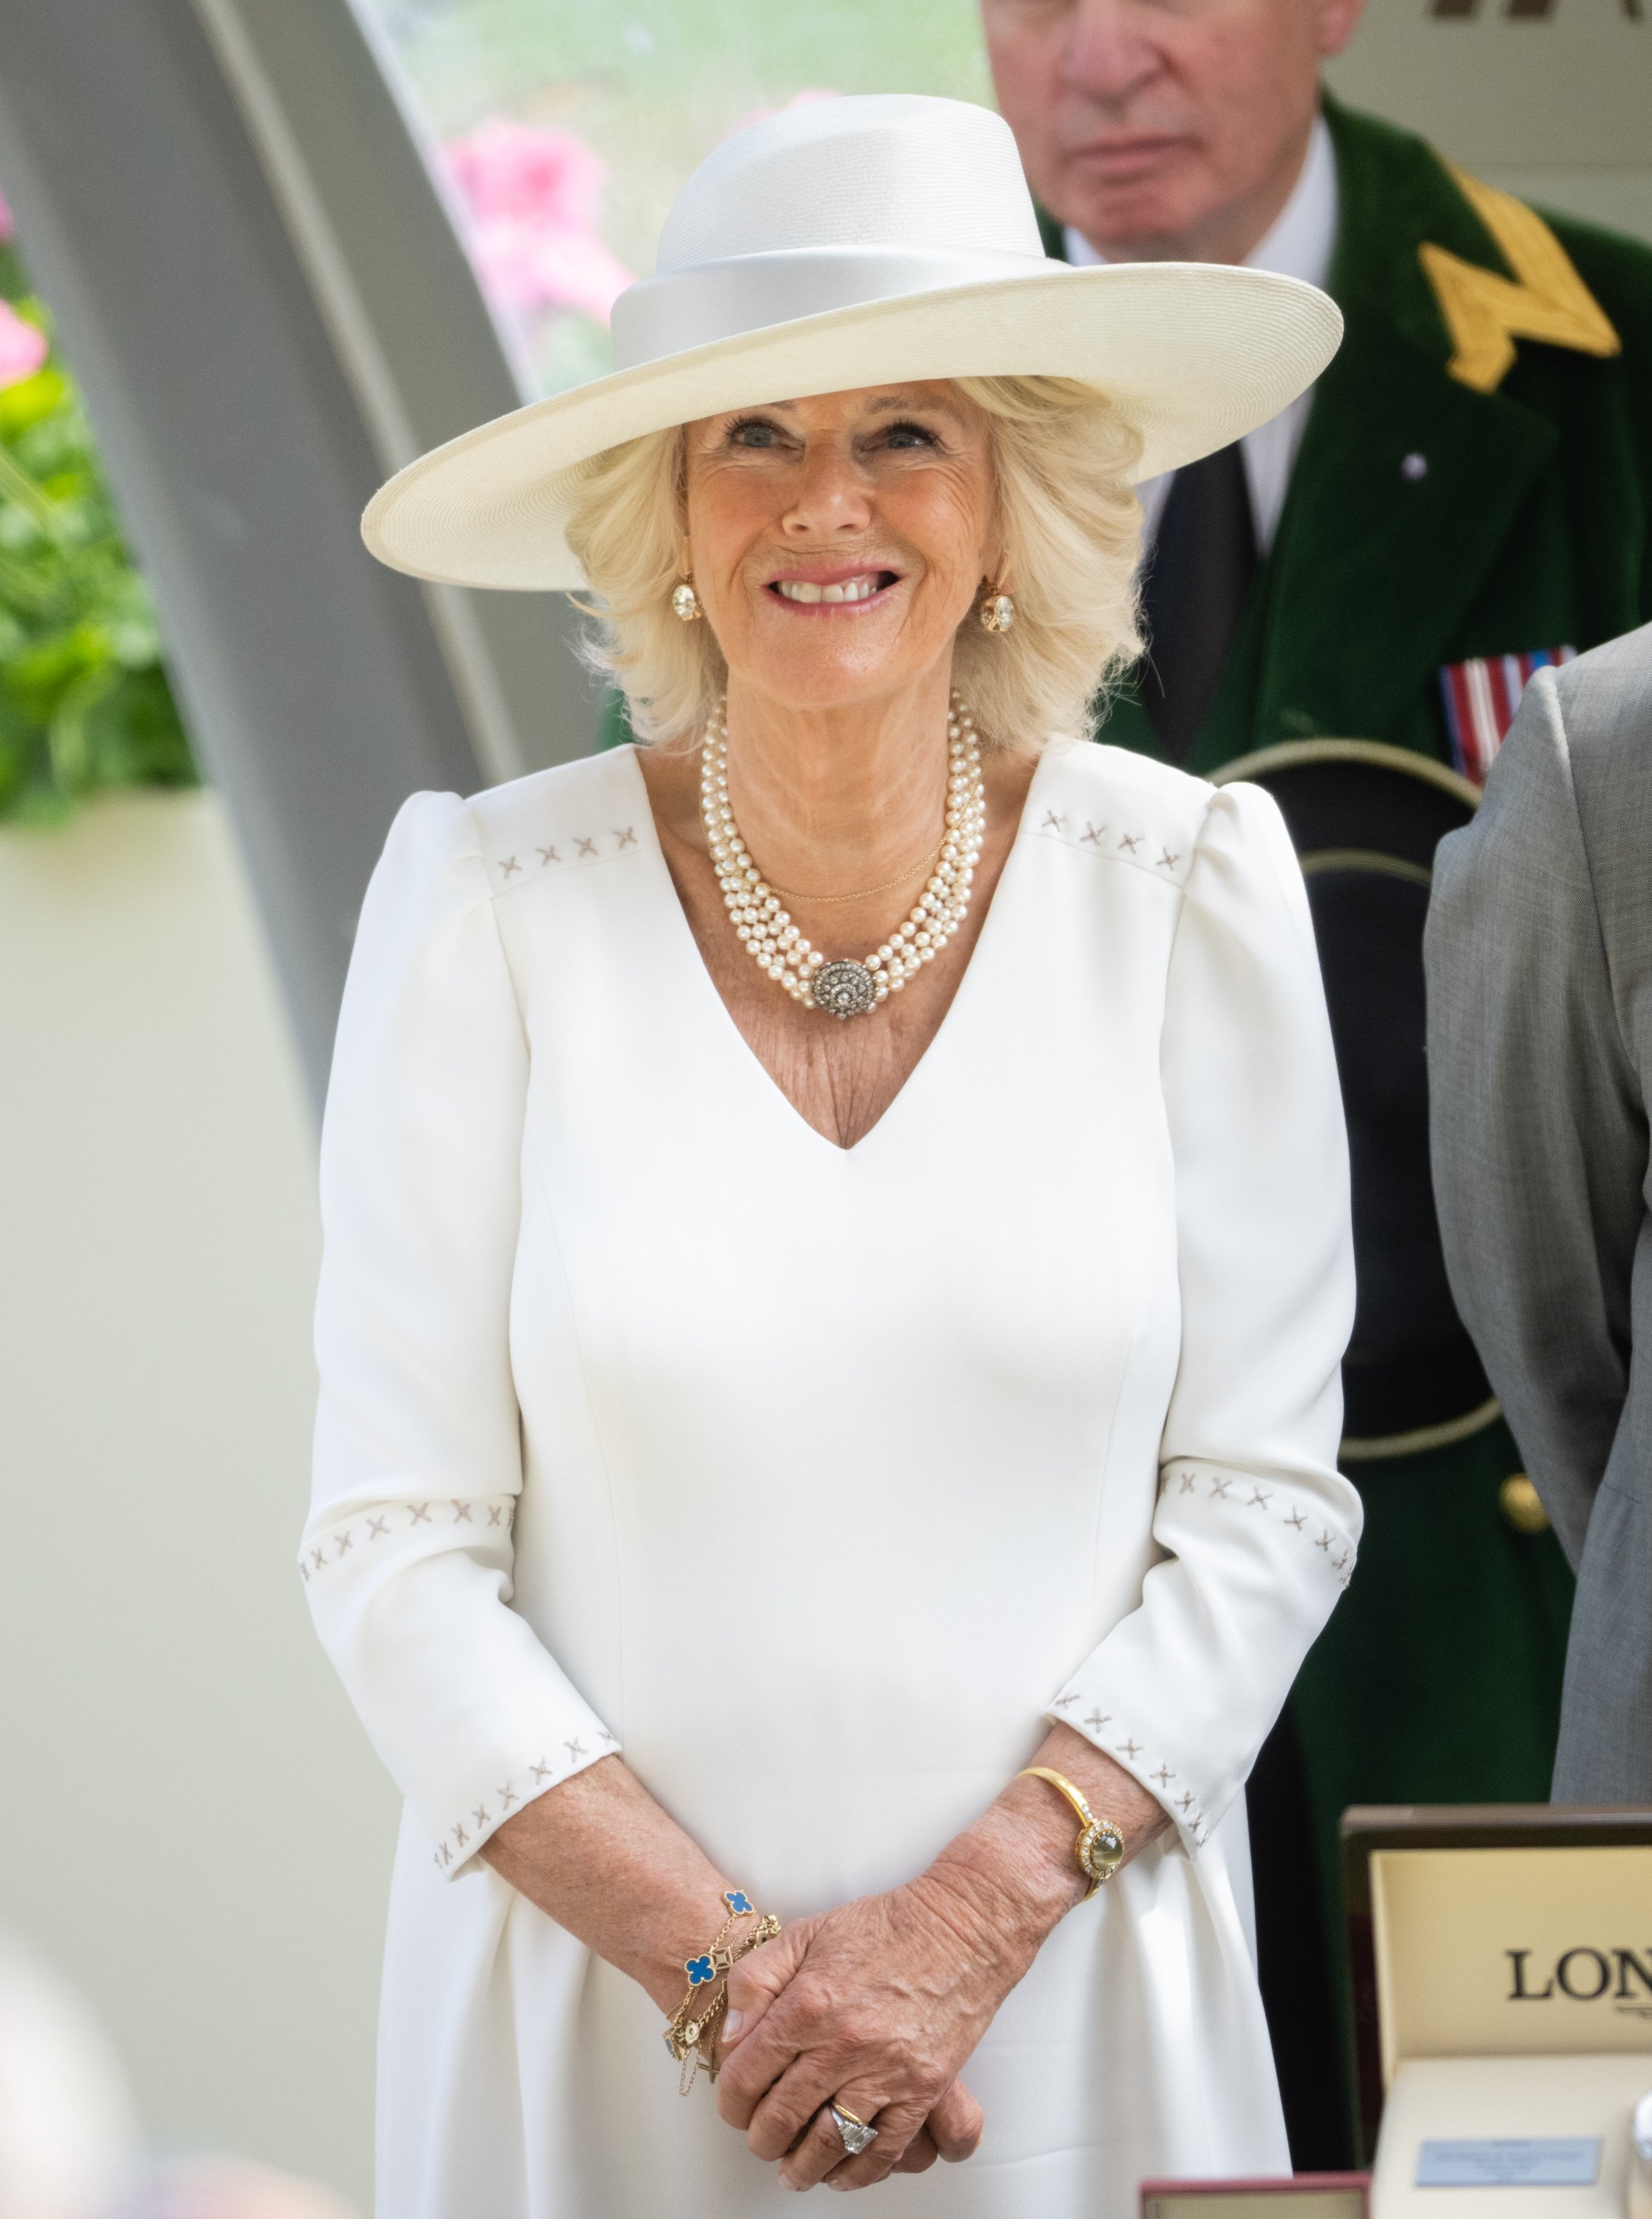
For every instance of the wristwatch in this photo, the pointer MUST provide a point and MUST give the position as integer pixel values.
(1099, 1850)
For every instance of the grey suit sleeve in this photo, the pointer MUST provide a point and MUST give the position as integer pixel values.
(1539, 1134)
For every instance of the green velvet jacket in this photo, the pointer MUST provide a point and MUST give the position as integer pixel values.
(1439, 1679)
(1532, 526)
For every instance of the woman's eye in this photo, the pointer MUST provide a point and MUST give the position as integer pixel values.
(910, 435)
(754, 433)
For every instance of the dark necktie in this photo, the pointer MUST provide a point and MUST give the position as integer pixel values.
(1202, 565)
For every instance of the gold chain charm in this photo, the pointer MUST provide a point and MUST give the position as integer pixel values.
(692, 2030)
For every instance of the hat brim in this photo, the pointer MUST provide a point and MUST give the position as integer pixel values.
(1194, 355)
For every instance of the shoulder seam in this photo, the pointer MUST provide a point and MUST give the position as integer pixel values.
(1120, 826)
(531, 861)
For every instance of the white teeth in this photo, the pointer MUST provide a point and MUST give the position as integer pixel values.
(800, 589)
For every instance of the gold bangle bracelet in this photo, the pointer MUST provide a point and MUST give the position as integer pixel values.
(1099, 1850)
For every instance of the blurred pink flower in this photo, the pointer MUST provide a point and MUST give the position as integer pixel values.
(23, 347)
(534, 196)
(521, 267)
(7, 225)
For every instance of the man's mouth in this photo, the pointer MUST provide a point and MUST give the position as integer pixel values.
(810, 592)
(1122, 157)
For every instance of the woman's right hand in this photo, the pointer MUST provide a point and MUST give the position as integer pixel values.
(952, 2129)
(600, 1856)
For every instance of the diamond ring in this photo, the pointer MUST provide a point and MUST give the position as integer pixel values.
(856, 2133)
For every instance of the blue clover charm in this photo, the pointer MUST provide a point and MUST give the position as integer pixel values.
(700, 1970)
(740, 1904)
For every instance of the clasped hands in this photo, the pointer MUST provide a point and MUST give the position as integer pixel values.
(879, 2004)
(876, 2006)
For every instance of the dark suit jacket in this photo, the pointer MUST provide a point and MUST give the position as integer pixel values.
(1540, 1049)
(1532, 526)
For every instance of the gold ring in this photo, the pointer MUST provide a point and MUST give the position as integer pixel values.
(855, 2135)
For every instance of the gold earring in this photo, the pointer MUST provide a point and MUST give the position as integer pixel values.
(997, 613)
(685, 604)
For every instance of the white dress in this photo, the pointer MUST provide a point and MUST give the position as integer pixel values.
(821, 1479)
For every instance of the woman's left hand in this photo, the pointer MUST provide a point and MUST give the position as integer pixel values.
(877, 2006)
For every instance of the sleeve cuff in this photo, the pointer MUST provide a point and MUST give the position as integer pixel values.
(474, 1825)
(1183, 1691)
(1088, 1715)
(471, 1716)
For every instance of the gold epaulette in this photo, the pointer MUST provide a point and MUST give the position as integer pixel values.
(1485, 313)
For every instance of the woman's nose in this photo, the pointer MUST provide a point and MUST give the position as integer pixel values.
(832, 496)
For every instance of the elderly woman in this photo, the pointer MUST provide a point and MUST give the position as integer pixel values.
(837, 1255)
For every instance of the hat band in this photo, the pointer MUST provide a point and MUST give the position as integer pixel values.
(695, 308)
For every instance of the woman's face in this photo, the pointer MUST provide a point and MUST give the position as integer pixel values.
(837, 544)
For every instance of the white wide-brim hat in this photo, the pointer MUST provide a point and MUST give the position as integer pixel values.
(869, 240)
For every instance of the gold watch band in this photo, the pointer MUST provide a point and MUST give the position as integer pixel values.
(1099, 1850)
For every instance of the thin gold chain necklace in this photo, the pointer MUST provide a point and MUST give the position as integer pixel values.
(845, 988)
(788, 893)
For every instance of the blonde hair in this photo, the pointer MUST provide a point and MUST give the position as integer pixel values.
(1067, 521)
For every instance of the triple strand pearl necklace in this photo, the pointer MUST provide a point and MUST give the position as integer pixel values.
(846, 988)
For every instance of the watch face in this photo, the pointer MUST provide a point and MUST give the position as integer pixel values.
(1101, 1851)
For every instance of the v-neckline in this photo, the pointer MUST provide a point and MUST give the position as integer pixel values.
(705, 986)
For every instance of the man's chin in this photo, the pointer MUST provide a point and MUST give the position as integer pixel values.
(1145, 218)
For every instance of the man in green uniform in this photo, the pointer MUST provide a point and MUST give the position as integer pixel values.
(1467, 493)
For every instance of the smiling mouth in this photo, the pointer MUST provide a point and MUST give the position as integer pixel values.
(805, 594)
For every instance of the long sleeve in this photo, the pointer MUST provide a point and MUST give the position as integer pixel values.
(408, 1555)
(1258, 1528)
(1539, 1127)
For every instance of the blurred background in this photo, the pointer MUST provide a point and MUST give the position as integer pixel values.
(255, 254)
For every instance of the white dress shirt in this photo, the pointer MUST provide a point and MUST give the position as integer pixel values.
(1301, 245)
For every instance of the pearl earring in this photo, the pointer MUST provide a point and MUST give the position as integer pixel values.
(997, 613)
(685, 604)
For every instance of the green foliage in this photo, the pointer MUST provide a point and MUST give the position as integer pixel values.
(85, 704)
